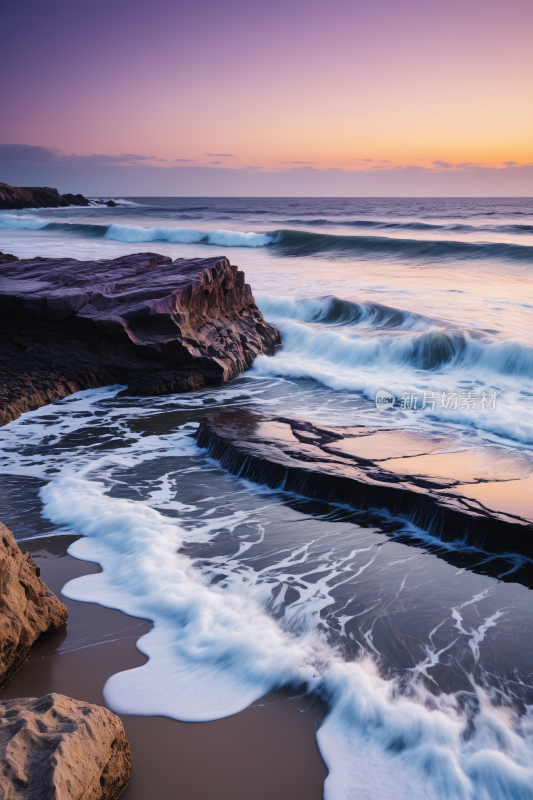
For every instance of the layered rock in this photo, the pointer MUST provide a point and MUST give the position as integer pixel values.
(29, 612)
(158, 326)
(16, 197)
(56, 747)
(396, 472)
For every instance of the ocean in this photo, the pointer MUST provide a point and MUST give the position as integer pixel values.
(422, 650)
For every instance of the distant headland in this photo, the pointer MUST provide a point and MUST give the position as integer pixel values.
(17, 197)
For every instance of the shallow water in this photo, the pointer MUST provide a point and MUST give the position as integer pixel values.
(423, 652)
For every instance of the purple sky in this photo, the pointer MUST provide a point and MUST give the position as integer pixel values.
(344, 97)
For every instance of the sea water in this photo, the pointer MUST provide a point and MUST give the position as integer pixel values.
(424, 652)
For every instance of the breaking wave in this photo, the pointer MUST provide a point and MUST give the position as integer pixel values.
(284, 241)
(331, 310)
(477, 353)
(363, 347)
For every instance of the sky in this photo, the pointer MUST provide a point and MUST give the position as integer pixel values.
(362, 97)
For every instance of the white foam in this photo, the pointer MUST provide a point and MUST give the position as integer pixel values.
(364, 362)
(135, 233)
(121, 202)
(21, 222)
(214, 648)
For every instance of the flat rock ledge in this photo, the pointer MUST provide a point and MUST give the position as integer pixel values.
(29, 612)
(157, 325)
(373, 470)
(56, 748)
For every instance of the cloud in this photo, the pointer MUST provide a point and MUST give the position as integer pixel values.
(216, 162)
(510, 163)
(299, 163)
(128, 157)
(29, 154)
(110, 175)
(184, 160)
(256, 167)
(38, 155)
(462, 165)
(469, 165)
(220, 155)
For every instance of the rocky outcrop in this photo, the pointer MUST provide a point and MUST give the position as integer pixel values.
(354, 467)
(29, 612)
(32, 388)
(76, 200)
(5, 258)
(56, 747)
(143, 320)
(16, 197)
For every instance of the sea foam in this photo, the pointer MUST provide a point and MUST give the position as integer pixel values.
(335, 342)
(215, 648)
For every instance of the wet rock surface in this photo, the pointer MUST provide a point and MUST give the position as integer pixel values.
(363, 468)
(57, 747)
(29, 612)
(158, 326)
(17, 197)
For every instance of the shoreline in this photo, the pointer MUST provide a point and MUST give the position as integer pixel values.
(267, 750)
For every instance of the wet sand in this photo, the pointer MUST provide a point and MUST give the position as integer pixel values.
(268, 750)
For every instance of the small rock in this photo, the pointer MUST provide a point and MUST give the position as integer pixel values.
(60, 748)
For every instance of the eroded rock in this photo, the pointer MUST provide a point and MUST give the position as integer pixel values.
(60, 748)
(158, 326)
(29, 612)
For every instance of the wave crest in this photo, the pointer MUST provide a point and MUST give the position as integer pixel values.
(285, 242)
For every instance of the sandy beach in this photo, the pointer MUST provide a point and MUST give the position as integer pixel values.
(268, 750)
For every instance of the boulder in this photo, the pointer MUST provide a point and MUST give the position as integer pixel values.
(29, 612)
(76, 200)
(56, 747)
(157, 325)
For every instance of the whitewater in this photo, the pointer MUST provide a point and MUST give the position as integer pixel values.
(423, 652)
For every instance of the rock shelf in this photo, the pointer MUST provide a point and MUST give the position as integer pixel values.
(363, 468)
